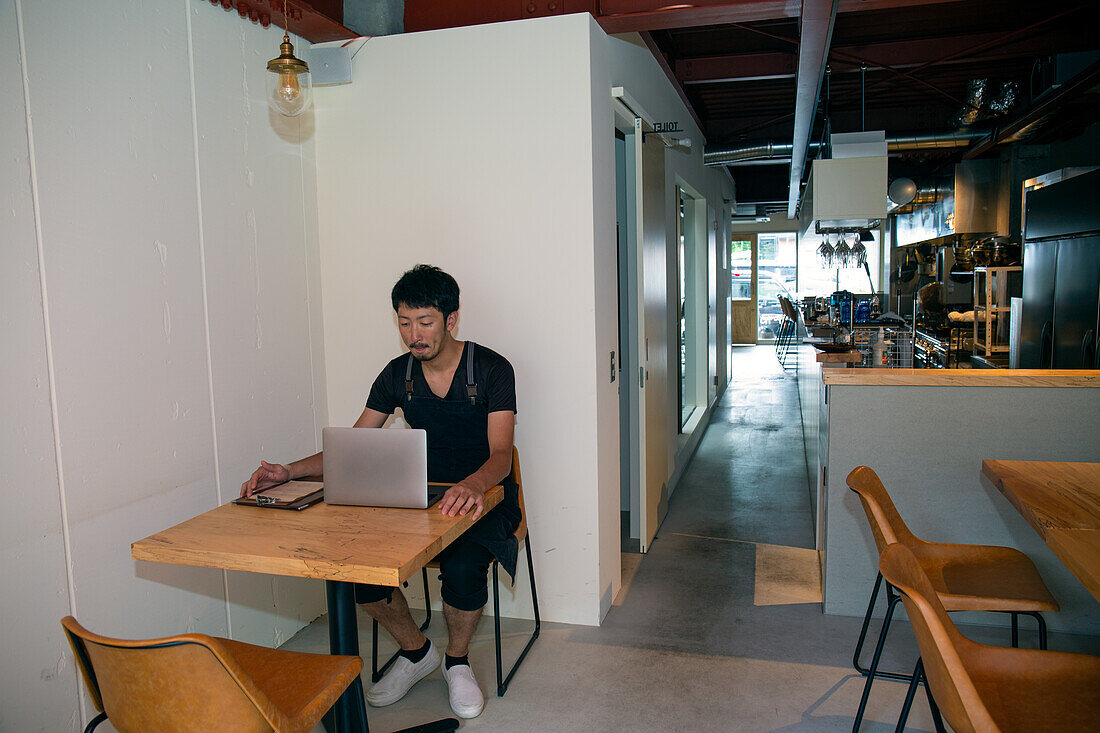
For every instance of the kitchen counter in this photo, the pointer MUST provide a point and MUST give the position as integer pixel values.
(925, 432)
(962, 377)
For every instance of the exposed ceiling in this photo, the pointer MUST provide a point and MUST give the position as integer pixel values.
(909, 67)
(906, 70)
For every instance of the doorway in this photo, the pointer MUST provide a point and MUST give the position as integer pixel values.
(776, 271)
(742, 253)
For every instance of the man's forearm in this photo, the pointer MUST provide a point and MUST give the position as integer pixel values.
(307, 467)
(491, 473)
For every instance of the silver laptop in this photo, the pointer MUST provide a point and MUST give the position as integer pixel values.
(377, 467)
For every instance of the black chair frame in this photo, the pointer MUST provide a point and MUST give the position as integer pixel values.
(892, 600)
(502, 680)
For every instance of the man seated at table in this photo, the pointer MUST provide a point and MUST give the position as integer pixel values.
(469, 420)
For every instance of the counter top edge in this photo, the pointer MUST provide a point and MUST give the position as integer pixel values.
(961, 377)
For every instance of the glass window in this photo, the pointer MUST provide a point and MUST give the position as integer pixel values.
(815, 278)
(741, 270)
(777, 269)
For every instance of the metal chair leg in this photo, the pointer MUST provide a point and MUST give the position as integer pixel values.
(1042, 628)
(94, 722)
(1038, 619)
(376, 673)
(918, 672)
(863, 634)
(937, 719)
(503, 682)
(894, 600)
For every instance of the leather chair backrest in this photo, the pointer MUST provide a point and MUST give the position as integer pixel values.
(886, 523)
(521, 530)
(944, 651)
(177, 684)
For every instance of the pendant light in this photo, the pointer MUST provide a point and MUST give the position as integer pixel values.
(289, 88)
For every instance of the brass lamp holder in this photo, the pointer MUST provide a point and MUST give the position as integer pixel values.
(287, 61)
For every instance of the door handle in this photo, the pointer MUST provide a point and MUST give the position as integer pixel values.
(1046, 355)
(1088, 349)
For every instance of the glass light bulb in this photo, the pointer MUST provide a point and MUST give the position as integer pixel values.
(288, 88)
(289, 91)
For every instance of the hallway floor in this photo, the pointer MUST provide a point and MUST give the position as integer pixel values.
(720, 627)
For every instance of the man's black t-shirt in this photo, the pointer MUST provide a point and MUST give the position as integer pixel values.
(457, 432)
(495, 379)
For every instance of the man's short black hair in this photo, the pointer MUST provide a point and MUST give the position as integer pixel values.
(426, 286)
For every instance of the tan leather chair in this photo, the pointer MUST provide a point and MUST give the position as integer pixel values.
(194, 682)
(523, 538)
(966, 577)
(988, 689)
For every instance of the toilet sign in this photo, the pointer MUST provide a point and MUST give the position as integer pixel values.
(662, 127)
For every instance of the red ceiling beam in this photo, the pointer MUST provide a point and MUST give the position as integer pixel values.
(316, 21)
(625, 16)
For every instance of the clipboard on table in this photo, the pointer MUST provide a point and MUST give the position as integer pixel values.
(287, 495)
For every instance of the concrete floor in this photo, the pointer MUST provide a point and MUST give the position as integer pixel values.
(720, 627)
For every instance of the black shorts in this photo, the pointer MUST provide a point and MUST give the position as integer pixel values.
(462, 566)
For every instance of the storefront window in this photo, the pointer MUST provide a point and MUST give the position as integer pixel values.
(777, 273)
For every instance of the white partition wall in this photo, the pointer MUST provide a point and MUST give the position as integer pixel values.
(473, 149)
(160, 321)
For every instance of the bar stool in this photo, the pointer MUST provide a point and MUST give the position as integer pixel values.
(986, 688)
(787, 329)
(965, 577)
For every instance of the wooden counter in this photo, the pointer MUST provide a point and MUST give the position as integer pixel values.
(962, 377)
(1061, 501)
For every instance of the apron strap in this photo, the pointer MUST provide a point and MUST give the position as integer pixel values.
(471, 383)
(409, 379)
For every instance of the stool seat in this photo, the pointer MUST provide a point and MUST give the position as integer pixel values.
(983, 577)
(986, 688)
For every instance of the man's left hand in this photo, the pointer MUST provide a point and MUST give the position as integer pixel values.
(460, 499)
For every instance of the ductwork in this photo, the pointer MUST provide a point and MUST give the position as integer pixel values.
(774, 152)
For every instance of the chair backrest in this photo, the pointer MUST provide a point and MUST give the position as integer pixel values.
(787, 307)
(944, 651)
(180, 683)
(886, 524)
(521, 530)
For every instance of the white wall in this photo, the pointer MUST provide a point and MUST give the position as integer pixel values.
(633, 67)
(472, 149)
(160, 322)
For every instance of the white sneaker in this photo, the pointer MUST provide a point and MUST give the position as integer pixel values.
(466, 698)
(401, 677)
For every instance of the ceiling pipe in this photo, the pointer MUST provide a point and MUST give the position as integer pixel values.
(814, 38)
(773, 152)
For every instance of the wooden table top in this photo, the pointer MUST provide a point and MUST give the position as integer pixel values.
(1061, 501)
(377, 545)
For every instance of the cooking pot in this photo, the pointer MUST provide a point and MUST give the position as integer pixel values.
(1005, 252)
(982, 252)
(964, 258)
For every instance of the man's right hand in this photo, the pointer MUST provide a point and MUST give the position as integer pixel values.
(268, 474)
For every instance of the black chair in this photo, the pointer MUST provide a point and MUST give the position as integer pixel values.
(522, 536)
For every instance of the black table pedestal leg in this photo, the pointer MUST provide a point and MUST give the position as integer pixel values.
(349, 714)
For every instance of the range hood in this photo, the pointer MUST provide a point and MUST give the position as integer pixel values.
(977, 207)
(847, 191)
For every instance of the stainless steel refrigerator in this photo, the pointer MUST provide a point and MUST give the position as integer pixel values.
(1061, 289)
